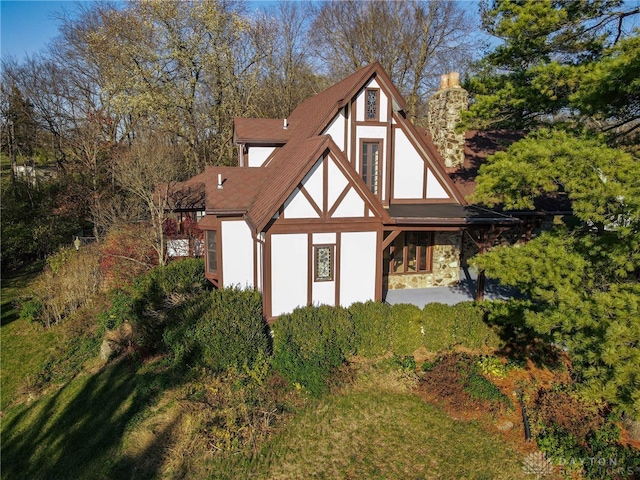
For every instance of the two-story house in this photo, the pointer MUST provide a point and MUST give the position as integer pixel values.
(336, 204)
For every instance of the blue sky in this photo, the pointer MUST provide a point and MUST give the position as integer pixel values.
(27, 26)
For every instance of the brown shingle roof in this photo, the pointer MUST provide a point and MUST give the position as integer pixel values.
(261, 191)
(478, 146)
(284, 172)
(260, 130)
(239, 188)
(188, 195)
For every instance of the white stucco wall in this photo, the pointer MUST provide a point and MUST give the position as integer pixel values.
(297, 206)
(237, 254)
(357, 267)
(352, 205)
(434, 187)
(336, 183)
(257, 155)
(408, 166)
(289, 269)
(336, 130)
(260, 263)
(313, 182)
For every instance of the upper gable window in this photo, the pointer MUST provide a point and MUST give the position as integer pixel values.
(372, 97)
(371, 164)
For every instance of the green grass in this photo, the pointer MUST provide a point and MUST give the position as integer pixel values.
(24, 346)
(77, 431)
(376, 432)
(115, 422)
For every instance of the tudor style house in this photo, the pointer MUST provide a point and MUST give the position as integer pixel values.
(338, 203)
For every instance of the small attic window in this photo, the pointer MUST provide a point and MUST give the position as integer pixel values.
(371, 96)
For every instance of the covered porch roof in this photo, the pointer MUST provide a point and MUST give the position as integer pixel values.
(447, 214)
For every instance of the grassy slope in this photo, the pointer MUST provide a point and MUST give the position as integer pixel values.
(91, 429)
(104, 425)
(24, 346)
(76, 431)
(376, 431)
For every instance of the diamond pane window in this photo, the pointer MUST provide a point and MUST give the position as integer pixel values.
(324, 263)
(372, 105)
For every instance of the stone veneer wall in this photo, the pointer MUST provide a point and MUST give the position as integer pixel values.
(446, 265)
(443, 116)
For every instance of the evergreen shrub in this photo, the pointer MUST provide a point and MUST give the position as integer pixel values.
(437, 322)
(446, 326)
(232, 332)
(310, 342)
(155, 299)
(372, 329)
(406, 329)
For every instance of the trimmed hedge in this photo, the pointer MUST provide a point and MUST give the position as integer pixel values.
(405, 322)
(372, 328)
(446, 326)
(310, 342)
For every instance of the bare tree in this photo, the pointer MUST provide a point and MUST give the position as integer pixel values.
(147, 171)
(287, 77)
(414, 41)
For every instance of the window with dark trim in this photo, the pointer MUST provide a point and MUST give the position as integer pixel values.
(411, 252)
(371, 107)
(212, 251)
(323, 263)
(371, 165)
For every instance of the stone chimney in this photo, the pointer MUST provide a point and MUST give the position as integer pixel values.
(444, 114)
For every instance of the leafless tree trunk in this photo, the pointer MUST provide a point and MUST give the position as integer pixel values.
(147, 171)
(415, 41)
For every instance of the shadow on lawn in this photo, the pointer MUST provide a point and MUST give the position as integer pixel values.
(12, 286)
(79, 437)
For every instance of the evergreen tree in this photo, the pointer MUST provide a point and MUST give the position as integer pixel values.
(579, 79)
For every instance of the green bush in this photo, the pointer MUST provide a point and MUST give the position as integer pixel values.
(611, 460)
(372, 329)
(310, 342)
(406, 329)
(158, 297)
(403, 363)
(220, 330)
(437, 324)
(232, 333)
(446, 326)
